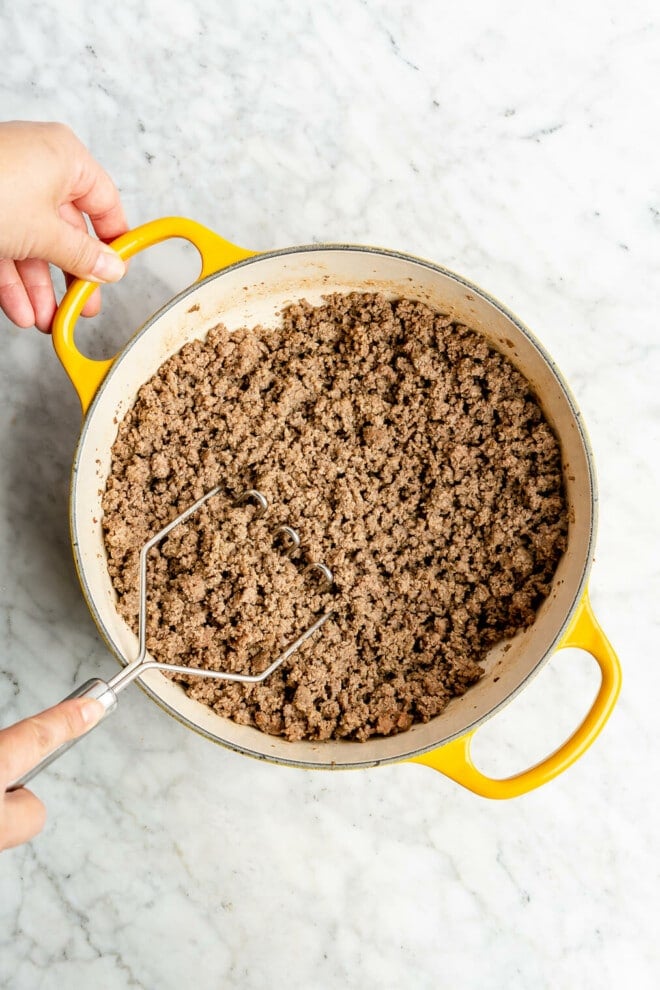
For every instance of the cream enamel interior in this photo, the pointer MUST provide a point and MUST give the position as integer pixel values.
(254, 292)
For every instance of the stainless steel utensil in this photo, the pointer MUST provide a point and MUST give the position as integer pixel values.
(106, 691)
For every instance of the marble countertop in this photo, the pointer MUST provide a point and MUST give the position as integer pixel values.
(518, 148)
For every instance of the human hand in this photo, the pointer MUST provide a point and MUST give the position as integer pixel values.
(22, 815)
(48, 182)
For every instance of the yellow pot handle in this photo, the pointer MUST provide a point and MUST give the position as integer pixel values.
(454, 760)
(86, 373)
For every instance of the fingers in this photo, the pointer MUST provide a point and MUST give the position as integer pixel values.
(73, 250)
(53, 181)
(66, 242)
(22, 816)
(14, 300)
(97, 196)
(27, 296)
(72, 215)
(35, 276)
(93, 305)
(23, 745)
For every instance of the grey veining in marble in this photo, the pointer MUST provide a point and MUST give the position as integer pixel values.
(517, 144)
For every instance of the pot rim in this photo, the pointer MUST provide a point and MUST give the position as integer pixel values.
(593, 492)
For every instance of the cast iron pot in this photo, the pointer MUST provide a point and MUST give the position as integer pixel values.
(243, 288)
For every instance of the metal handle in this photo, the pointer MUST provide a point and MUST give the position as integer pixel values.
(94, 688)
(454, 759)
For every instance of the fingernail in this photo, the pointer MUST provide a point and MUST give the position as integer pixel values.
(109, 266)
(92, 712)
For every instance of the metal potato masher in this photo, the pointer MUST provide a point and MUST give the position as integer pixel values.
(106, 691)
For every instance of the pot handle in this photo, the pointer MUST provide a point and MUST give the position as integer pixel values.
(454, 759)
(87, 374)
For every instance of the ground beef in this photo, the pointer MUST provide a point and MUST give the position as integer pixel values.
(415, 462)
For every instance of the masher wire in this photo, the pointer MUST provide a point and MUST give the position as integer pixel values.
(136, 667)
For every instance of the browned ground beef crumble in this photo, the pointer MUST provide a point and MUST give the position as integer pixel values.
(414, 461)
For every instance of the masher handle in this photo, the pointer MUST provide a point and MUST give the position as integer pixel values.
(94, 688)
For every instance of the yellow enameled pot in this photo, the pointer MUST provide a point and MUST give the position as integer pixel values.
(243, 288)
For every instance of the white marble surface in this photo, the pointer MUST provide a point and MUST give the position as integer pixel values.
(521, 149)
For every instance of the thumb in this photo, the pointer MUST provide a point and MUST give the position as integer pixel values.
(75, 252)
(24, 744)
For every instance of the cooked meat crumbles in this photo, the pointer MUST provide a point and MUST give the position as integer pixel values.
(414, 461)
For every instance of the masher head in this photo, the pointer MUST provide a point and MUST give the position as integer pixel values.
(284, 536)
